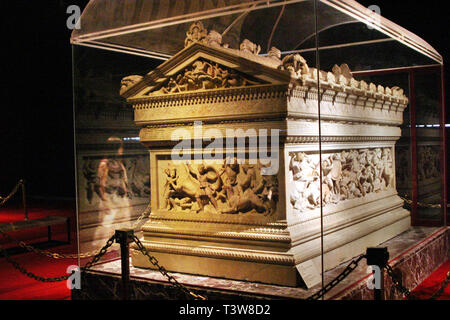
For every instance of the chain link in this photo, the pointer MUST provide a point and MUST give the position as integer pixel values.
(21, 269)
(29, 274)
(349, 269)
(422, 204)
(49, 254)
(444, 285)
(98, 254)
(403, 290)
(3, 200)
(101, 253)
(398, 284)
(56, 255)
(164, 272)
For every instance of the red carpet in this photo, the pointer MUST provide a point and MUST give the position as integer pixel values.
(15, 285)
(12, 213)
(433, 283)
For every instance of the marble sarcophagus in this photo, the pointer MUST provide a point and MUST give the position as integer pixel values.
(237, 179)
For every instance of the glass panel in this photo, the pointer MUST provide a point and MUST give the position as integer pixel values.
(113, 182)
(368, 146)
(428, 124)
(262, 81)
(335, 89)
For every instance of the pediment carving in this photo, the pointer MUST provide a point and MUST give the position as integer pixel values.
(204, 75)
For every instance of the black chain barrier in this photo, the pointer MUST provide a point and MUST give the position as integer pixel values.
(407, 294)
(164, 272)
(98, 254)
(349, 269)
(29, 274)
(3, 200)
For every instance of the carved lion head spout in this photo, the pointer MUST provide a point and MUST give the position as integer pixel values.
(295, 64)
(128, 82)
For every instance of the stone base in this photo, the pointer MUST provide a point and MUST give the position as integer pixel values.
(415, 253)
(287, 254)
(221, 268)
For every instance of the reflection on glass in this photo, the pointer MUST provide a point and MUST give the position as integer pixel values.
(428, 146)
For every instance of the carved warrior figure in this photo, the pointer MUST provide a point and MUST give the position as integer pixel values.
(117, 177)
(196, 33)
(345, 175)
(229, 188)
(428, 164)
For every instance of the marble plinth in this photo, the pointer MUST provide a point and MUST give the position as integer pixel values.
(415, 253)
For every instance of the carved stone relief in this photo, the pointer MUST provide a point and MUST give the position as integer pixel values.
(402, 166)
(203, 75)
(129, 81)
(346, 175)
(227, 188)
(115, 177)
(295, 64)
(196, 33)
(428, 162)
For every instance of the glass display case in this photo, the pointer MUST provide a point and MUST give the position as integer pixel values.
(259, 141)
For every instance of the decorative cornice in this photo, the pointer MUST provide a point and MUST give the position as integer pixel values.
(247, 255)
(251, 222)
(315, 139)
(211, 96)
(264, 234)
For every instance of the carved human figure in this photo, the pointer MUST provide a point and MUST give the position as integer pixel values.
(139, 176)
(196, 33)
(169, 189)
(244, 196)
(345, 175)
(208, 178)
(230, 189)
(250, 47)
(112, 173)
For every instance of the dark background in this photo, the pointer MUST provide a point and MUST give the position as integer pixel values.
(36, 126)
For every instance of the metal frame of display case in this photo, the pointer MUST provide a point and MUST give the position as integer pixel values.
(412, 72)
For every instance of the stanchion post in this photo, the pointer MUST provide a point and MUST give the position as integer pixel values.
(378, 257)
(124, 237)
(24, 199)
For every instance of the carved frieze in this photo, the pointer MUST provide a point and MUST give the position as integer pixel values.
(346, 175)
(115, 177)
(204, 75)
(428, 162)
(228, 188)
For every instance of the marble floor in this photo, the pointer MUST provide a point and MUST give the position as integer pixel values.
(404, 250)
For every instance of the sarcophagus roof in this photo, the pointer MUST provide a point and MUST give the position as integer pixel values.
(216, 78)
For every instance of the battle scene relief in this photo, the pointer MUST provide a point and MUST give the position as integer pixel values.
(203, 75)
(346, 175)
(218, 188)
(113, 179)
